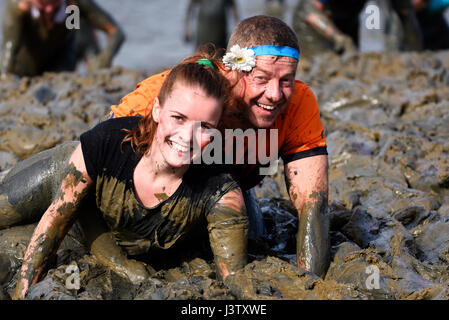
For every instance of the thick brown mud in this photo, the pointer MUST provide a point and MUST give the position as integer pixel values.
(386, 119)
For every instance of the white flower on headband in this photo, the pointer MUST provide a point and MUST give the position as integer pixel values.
(241, 59)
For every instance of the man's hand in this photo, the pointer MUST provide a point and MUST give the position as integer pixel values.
(307, 183)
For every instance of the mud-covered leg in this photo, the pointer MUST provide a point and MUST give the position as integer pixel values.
(28, 188)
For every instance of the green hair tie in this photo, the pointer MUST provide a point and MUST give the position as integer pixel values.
(205, 62)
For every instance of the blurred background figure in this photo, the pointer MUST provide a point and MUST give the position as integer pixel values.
(430, 14)
(316, 32)
(38, 37)
(212, 21)
(275, 8)
(334, 25)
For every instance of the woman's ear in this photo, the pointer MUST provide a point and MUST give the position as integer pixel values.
(156, 110)
(237, 82)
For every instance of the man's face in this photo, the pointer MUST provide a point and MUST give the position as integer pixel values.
(267, 89)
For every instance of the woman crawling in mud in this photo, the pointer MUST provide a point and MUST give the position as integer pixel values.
(139, 172)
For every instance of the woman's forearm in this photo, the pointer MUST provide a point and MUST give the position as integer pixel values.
(42, 246)
(54, 224)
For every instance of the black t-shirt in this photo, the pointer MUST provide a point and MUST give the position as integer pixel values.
(110, 164)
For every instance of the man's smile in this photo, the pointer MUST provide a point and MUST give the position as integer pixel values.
(266, 106)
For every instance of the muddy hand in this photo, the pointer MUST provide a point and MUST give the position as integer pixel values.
(344, 44)
(137, 271)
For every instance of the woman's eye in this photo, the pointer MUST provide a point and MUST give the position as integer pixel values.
(204, 126)
(177, 118)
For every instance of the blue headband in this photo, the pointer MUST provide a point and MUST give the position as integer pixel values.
(271, 50)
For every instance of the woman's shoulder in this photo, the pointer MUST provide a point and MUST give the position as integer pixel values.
(112, 126)
(119, 123)
(108, 134)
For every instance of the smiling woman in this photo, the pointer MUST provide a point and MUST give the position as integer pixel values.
(146, 192)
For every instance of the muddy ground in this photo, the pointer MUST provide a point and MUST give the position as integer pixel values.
(387, 118)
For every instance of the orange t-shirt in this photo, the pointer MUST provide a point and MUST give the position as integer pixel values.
(300, 130)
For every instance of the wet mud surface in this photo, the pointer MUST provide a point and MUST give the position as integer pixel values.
(386, 118)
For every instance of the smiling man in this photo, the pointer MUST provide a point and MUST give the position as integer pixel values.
(267, 96)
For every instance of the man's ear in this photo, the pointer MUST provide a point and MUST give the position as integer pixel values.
(156, 110)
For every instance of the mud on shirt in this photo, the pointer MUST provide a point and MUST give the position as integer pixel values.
(110, 164)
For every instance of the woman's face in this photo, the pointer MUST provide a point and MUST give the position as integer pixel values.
(183, 121)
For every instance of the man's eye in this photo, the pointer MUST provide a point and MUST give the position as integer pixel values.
(287, 82)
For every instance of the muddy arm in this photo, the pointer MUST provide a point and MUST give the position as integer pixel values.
(410, 24)
(307, 182)
(12, 35)
(100, 19)
(102, 244)
(228, 232)
(54, 224)
(325, 27)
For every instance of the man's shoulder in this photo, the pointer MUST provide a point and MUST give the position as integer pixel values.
(299, 90)
(155, 79)
(303, 97)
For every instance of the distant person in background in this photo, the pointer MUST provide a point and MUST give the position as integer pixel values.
(331, 24)
(275, 8)
(316, 31)
(435, 29)
(212, 23)
(36, 38)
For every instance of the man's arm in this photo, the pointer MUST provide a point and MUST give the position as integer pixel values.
(307, 183)
(228, 232)
(100, 19)
(12, 35)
